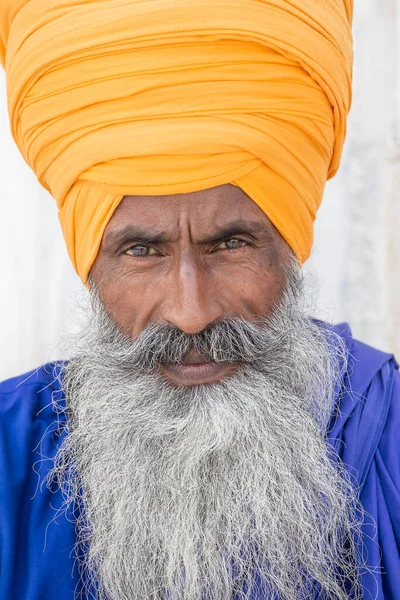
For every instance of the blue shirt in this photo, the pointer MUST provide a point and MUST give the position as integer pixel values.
(37, 546)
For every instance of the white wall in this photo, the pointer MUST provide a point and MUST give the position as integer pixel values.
(357, 249)
(356, 258)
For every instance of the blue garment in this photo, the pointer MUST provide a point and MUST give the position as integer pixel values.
(36, 547)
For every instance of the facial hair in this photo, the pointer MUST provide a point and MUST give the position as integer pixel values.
(212, 491)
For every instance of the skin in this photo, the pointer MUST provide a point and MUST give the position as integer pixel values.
(190, 260)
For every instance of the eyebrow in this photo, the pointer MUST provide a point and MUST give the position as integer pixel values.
(240, 226)
(131, 233)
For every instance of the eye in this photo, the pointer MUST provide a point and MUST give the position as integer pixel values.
(141, 250)
(232, 244)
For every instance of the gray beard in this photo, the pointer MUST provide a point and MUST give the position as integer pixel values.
(187, 493)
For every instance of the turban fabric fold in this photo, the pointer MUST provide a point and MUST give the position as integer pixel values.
(109, 98)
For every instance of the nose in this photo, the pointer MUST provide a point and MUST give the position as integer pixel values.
(190, 302)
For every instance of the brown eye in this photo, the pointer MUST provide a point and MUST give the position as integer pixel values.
(140, 250)
(233, 243)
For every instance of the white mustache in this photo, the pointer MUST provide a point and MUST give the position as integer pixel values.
(230, 340)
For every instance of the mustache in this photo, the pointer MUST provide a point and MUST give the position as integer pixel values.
(229, 340)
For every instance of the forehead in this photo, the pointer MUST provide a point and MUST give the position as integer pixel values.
(205, 209)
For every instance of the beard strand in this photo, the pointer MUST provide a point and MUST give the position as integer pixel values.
(204, 492)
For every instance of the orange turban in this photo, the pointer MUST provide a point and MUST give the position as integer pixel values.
(147, 97)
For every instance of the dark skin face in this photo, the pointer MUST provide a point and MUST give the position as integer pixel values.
(190, 260)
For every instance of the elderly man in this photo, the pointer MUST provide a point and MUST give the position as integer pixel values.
(206, 439)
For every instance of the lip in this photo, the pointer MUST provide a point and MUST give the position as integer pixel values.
(197, 373)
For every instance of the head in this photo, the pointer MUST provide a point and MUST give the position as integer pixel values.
(198, 397)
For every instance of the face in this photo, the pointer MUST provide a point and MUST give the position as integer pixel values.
(190, 260)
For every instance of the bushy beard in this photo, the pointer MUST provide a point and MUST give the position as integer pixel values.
(186, 493)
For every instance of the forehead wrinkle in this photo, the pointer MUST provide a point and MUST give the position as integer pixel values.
(145, 234)
(197, 221)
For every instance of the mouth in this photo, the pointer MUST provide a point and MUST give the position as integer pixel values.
(196, 370)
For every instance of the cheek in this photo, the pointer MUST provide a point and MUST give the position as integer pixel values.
(256, 284)
(254, 291)
(128, 299)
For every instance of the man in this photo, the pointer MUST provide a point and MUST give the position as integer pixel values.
(206, 439)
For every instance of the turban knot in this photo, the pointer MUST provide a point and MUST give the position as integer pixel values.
(109, 98)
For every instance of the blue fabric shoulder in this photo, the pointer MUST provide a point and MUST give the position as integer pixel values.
(365, 432)
(364, 403)
(36, 548)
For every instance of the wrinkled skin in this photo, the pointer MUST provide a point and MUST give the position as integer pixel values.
(190, 260)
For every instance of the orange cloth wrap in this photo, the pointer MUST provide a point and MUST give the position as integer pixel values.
(147, 97)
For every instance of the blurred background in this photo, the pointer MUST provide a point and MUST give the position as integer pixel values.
(354, 271)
